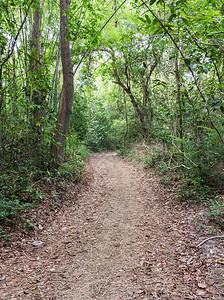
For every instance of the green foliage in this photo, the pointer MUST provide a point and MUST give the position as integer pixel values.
(76, 154)
(74, 146)
(79, 119)
(152, 160)
(71, 169)
(194, 190)
(18, 194)
(99, 124)
(18, 183)
(216, 212)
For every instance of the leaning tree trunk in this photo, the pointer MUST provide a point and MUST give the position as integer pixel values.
(127, 89)
(65, 111)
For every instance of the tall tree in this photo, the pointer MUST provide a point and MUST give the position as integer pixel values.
(65, 111)
(37, 79)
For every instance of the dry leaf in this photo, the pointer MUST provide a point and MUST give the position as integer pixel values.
(201, 293)
(202, 285)
(77, 275)
(2, 278)
(221, 261)
(37, 244)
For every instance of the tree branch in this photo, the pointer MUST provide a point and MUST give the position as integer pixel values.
(211, 238)
(188, 66)
(16, 38)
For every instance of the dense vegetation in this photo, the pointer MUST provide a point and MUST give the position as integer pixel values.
(103, 75)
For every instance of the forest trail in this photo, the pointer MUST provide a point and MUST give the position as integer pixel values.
(122, 239)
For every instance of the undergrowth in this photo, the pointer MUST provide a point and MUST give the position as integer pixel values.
(22, 184)
(191, 178)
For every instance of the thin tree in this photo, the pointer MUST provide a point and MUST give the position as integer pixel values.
(38, 93)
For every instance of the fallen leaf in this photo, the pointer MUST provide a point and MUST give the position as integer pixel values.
(37, 244)
(190, 261)
(64, 229)
(221, 261)
(202, 285)
(201, 293)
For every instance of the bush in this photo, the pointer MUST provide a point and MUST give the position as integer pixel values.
(72, 169)
(216, 212)
(19, 180)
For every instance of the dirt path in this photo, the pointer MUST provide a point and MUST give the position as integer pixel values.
(123, 239)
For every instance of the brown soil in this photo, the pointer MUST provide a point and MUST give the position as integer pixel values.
(125, 237)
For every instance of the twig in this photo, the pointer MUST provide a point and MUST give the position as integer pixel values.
(210, 238)
(180, 166)
(185, 156)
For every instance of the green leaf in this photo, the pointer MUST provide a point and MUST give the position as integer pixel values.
(206, 128)
(158, 30)
(152, 2)
(187, 61)
(142, 19)
(155, 21)
(148, 20)
(169, 26)
(205, 3)
(185, 21)
(177, 139)
(173, 16)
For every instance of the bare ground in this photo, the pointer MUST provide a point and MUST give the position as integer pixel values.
(125, 237)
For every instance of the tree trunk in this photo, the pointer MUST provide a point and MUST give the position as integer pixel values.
(126, 119)
(127, 90)
(180, 104)
(1, 93)
(147, 103)
(37, 89)
(65, 111)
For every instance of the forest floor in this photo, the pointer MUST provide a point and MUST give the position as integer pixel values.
(124, 237)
